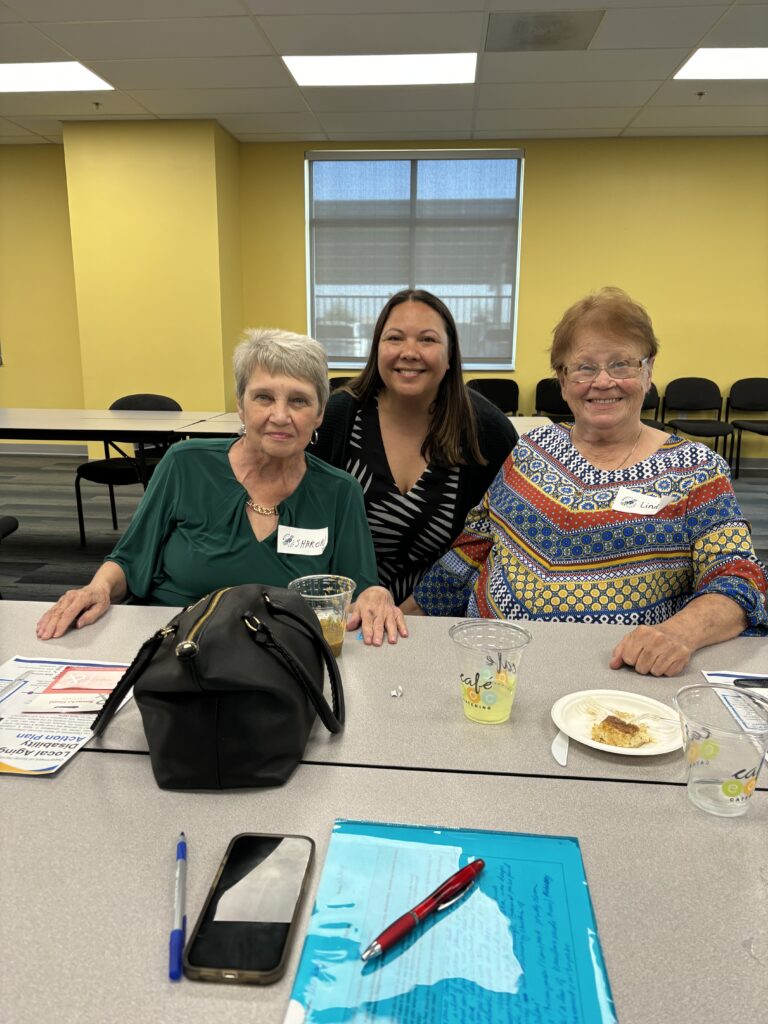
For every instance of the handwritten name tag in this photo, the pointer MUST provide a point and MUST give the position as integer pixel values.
(638, 503)
(293, 541)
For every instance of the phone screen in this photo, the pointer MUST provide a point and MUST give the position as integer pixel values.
(247, 919)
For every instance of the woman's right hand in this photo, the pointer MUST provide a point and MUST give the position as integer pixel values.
(76, 607)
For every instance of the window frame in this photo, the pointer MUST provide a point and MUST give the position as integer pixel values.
(413, 156)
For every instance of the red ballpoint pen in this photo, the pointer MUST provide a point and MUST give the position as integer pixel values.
(443, 896)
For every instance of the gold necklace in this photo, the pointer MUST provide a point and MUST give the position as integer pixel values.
(627, 457)
(262, 510)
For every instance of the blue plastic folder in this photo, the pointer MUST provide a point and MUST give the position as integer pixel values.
(522, 946)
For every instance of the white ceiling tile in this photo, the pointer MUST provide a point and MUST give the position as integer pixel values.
(559, 133)
(13, 128)
(20, 43)
(567, 117)
(742, 26)
(583, 66)
(39, 125)
(23, 140)
(589, 5)
(724, 132)
(121, 10)
(194, 73)
(282, 137)
(371, 33)
(206, 102)
(685, 92)
(270, 122)
(376, 136)
(302, 7)
(445, 121)
(180, 37)
(424, 97)
(564, 94)
(659, 27)
(69, 104)
(692, 117)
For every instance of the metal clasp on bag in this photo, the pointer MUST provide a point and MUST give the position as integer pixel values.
(187, 649)
(256, 626)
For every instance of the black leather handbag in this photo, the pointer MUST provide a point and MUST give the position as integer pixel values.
(229, 689)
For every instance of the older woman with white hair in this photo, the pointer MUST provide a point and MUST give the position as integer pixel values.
(258, 509)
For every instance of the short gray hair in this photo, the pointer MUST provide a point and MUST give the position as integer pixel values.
(283, 353)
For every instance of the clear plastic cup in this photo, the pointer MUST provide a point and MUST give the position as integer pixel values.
(726, 737)
(488, 652)
(330, 598)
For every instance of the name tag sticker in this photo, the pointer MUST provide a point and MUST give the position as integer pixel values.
(638, 503)
(293, 541)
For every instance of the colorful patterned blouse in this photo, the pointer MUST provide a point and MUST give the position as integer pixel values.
(546, 542)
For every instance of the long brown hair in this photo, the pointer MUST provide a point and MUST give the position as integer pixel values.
(452, 411)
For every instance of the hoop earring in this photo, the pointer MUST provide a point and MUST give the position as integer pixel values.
(315, 436)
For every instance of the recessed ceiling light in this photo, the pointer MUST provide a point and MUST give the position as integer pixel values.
(384, 69)
(50, 76)
(733, 62)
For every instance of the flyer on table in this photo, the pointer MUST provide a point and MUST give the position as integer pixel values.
(47, 708)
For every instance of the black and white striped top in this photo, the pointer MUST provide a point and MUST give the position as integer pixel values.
(412, 530)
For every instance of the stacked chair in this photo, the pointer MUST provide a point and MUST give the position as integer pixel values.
(502, 391)
(750, 394)
(8, 525)
(125, 469)
(550, 402)
(701, 395)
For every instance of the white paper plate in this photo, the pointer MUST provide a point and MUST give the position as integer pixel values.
(568, 715)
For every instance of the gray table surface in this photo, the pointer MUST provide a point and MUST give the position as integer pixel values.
(680, 897)
(93, 424)
(426, 728)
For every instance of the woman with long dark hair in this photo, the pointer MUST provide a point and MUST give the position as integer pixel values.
(424, 447)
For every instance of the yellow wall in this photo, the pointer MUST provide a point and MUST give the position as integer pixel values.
(145, 236)
(682, 224)
(174, 256)
(38, 316)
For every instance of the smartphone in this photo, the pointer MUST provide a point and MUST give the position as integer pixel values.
(244, 930)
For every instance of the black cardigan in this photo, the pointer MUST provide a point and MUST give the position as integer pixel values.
(496, 437)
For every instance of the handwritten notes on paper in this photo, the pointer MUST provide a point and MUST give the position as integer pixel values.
(520, 947)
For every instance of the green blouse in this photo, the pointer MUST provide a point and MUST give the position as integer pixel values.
(191, 533)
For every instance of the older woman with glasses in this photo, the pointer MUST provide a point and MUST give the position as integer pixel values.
(608, 519)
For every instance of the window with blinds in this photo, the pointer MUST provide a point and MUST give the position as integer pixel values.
(445, 221)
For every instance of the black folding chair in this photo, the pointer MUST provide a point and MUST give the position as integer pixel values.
(750, 394)
(550, 402)
(502, 391)
(697, 394)
(651, 402)
(123, 470)
(8, 525)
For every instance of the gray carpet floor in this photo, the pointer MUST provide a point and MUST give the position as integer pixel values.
(43, 558)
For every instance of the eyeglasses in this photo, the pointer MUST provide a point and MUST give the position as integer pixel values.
(619, 369)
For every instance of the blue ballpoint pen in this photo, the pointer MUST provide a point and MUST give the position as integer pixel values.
(179, 931)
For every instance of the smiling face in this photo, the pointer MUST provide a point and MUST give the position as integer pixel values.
(413, 351)
(279, 414)
(604, 407)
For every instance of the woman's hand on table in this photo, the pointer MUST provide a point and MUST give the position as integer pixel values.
(376, 615)
(652, 651)
(76, 607)
(666, 649)
(82, 607)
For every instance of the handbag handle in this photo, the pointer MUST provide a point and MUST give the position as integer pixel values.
(145, 654)
(260, 632)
